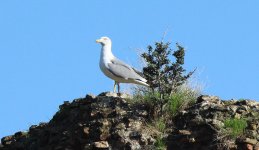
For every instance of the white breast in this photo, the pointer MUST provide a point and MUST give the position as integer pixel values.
(103, 64)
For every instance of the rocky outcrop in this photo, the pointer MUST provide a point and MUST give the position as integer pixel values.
(103, 122)
(201, 126)
(110, 122)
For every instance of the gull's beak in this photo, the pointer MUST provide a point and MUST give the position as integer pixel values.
(98, 41)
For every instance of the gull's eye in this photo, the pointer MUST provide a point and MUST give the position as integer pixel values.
(105, 38)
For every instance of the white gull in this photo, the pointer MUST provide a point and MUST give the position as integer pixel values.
(116, 69)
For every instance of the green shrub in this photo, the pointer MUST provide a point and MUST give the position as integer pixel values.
(169, 90)
(236, 126)
(163, 75)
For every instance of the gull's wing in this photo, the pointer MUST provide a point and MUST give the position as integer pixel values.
(117, 61)
(138, 72)
(122, 70)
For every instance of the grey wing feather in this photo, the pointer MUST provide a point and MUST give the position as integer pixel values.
(139, 72)
(117, 61)
(121, 69)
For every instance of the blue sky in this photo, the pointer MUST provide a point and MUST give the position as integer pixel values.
(48, 52)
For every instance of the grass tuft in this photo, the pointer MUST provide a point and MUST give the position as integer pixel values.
(160, 143)
(160, 125)
(236, 126)
(182, 98)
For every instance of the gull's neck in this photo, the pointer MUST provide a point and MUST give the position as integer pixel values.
(106, 52)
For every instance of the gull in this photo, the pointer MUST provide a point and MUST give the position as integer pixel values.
(116, 69)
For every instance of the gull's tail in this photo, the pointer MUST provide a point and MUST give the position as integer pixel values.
(141, 83)
(141, 80)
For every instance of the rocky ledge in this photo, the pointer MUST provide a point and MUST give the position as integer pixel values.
(103, 122)
(109, 122)
(202, 126)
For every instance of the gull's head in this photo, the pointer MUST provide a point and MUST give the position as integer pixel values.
(104, 41)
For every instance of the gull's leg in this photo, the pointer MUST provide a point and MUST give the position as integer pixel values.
(119, 94)
(114, 87)
(118, 87)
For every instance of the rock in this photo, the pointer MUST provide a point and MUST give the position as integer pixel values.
(251, 134)
(7, 140)
(237, 116)
(133, 145)
(135, 124)
(135, 135)
(249, 147)
(191, 140)
(246, 143)
(207, 98)
(252, 125)
(86, 130)
(184, 132)
(233, 108)
(111, 94)
(247, 140)
(90, 96)
(217, 124)
(256, 147)
(241, 102)
(242, 109)
(101, 145)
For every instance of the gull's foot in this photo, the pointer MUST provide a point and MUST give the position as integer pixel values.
(119, 94)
